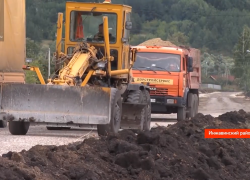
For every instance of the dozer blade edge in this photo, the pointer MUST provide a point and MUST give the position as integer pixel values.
(57, 104)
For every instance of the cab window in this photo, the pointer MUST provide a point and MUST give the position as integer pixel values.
(126, 31)
(88, 26)
(152, 61)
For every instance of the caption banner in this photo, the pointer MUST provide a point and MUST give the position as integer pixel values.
(227, 133)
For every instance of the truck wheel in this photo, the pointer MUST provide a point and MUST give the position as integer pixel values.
(181, 114)
(196, 104)
(116, 112)
(191, 105)
(3, 123)
(139, 96)
(18, 127)
(147, 122)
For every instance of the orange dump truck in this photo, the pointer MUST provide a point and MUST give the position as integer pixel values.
(174, 77)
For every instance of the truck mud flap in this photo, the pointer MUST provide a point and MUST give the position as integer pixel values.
(56, 104)
(131, 115)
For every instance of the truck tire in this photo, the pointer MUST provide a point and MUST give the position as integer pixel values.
(196, 104)
(181, 114)
(147, 123)
(18, 127)
(116, 112)
(139, 96)
(191, 105)
(3, 123)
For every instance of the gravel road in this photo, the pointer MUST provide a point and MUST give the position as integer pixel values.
(214, 104)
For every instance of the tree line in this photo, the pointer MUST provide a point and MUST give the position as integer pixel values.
(213, 26)
(205, 24)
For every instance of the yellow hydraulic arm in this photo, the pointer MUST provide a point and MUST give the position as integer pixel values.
(37, 70)
(76, 66)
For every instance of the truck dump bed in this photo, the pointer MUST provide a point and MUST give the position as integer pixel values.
(12, 41)
(195, 76)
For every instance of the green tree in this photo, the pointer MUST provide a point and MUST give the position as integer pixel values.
(40, 59)
(242, 59)
(179, 38)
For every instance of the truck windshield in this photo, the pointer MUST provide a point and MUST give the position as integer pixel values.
(89, 26)
(158, 61)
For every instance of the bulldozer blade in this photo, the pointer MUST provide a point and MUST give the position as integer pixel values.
(131, 115)
(56, 104)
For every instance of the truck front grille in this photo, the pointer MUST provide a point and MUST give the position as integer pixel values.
(159, 91)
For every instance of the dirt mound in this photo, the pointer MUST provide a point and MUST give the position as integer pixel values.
(176, 152)
(156, 42)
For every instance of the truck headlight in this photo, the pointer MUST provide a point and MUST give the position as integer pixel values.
(170, 101)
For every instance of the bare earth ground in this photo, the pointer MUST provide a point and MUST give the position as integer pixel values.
(179, 151)
(214, 104)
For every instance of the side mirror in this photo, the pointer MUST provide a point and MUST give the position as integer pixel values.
(133, 52)
(128, 25)
(190, 64)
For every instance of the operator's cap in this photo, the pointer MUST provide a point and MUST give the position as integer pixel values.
(107, 1)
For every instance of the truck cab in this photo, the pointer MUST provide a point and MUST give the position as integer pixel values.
(84, 22)
(172, 76)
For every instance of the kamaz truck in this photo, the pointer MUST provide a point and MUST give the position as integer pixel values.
(174, 77)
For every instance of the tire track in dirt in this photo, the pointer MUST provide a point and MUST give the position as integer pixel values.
(220, 103)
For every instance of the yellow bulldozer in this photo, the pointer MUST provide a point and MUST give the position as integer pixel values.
(92, 84)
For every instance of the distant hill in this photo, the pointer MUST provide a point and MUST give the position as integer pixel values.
(209, 24)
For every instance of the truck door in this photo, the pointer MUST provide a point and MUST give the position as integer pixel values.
(184, 70)
(125, 39)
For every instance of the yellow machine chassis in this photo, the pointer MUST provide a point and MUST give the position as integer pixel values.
(61, 100)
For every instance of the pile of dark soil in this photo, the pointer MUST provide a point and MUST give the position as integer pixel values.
(176, 152)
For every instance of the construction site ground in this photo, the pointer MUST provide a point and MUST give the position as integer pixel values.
(176, 152)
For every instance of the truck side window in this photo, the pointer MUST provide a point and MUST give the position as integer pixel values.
(183, 64)
(127, 32)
